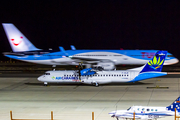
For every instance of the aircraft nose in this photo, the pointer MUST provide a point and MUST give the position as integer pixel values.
(170, 62)
(112, 113)
(176, 60)
(40, 78)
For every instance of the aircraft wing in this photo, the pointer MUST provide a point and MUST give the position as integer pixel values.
(129, 116)
(91, 60)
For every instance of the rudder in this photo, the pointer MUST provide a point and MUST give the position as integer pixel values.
(18, 42)
(175, 104)
(156, 64)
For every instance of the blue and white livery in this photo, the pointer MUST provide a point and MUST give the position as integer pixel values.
(96, 77)
(24, 50)
(147, 112)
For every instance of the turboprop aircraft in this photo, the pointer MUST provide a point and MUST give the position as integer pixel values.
(147, 112)
(24, 50)
(98, 76)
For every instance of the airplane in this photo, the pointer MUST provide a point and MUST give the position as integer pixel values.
(96, 76)
(147, 112)
(24, 50)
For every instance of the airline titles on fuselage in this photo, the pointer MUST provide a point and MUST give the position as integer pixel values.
(124, 75)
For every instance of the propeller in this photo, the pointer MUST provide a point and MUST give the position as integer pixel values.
(80, 67)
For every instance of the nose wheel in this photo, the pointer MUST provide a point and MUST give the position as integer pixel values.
(45, 83)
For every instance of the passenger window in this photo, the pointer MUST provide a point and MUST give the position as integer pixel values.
(147, 109)
(152, 109)
(156, 110)
(143, 109)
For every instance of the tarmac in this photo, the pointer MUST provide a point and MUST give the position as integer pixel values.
(29, 99)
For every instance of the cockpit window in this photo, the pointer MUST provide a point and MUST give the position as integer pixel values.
(170, 56)
(47, 73)
(128, 109)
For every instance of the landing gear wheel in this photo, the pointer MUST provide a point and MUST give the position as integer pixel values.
(97, 84)
(45, 83)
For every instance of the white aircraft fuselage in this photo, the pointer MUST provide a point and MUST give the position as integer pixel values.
(101, 77)
(143, 113)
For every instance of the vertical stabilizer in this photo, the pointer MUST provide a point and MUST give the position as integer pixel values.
(18, 42)
(156, 64)
(175, 104)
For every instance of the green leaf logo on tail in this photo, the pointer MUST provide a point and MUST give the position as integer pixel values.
(155, 63)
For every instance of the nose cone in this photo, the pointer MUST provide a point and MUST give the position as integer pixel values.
(171, 61)
(112, 113)
(40, 78)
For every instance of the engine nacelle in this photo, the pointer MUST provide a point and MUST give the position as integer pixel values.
(107, 65)
(87, 71)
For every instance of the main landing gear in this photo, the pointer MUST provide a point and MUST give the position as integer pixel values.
(95, 84)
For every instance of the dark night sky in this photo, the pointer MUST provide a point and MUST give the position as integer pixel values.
(98, 24)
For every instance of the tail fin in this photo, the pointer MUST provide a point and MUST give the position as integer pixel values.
(175, 104)
(156, 64)
(17, 40)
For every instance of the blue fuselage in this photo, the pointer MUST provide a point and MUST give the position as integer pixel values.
(73, 57)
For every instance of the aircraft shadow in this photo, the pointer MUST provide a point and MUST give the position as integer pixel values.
(81, 84)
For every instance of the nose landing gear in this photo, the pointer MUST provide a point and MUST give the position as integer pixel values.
(45, 83)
